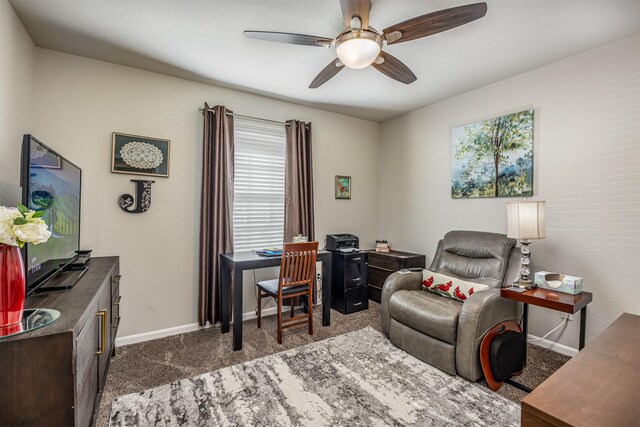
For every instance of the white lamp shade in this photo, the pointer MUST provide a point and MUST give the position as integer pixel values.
(525, 220)
(358, 52)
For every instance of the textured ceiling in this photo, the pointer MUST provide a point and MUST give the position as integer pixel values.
(203, 41)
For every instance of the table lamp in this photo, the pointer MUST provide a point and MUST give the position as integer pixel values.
(525, 222)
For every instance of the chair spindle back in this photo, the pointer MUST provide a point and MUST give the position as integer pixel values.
(298, 264)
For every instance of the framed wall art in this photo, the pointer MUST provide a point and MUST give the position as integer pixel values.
(493, 158)
(140, 155)
(343, 187)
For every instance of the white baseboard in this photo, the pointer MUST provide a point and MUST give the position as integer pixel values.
(554, 346)
(161, 333)
(265, 312)
(147, 336)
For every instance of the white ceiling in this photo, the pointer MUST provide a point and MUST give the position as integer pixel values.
(202, 40)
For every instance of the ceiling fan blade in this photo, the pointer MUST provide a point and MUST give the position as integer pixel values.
(433, 23)
(290, 38)
(394, 68)
(327, 73)
(359, 8)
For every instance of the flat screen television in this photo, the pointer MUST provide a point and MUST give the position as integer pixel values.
(50, 183)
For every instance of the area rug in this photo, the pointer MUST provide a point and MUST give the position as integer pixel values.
(358, 378)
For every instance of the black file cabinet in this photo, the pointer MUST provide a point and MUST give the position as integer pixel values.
(349, 282)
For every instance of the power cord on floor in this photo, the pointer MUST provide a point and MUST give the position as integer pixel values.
(564, 321)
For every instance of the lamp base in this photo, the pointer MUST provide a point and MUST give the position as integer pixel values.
(523, 281)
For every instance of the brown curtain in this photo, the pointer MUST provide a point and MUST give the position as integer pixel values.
(216, 214)
(298, 182)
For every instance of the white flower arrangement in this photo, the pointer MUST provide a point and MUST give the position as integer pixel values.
(20, 225)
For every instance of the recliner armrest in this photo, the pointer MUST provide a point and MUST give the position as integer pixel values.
(396, 282)
(480, 312)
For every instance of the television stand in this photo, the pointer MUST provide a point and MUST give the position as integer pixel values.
(54, 376)
(63, 280)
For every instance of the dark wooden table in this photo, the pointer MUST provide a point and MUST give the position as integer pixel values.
(597, 387)
(546, 298)
(233, 264)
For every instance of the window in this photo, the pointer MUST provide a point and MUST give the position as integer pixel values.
(258, 206)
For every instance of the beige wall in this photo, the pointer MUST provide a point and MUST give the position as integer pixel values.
(82, 101)
(587, 168)
(17, 56)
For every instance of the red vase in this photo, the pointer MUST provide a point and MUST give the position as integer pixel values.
(5, 331)
(12, 285)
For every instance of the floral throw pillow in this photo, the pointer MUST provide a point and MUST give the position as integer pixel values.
(449, 287)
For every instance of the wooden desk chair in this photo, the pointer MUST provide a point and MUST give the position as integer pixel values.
(297, 274)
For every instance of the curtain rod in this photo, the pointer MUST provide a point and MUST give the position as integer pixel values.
(251, 117)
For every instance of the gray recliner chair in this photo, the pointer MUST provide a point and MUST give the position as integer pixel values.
(444, 332)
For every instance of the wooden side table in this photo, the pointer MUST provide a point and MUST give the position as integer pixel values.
(565, 303)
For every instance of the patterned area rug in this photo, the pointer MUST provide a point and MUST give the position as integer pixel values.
(358, 378)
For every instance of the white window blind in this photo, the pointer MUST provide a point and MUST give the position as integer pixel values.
(258, 206)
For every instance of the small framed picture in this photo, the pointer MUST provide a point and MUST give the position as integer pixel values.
(343, 187)
(140, 155)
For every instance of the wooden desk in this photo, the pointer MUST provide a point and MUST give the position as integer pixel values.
(597, 387)
(233, 264)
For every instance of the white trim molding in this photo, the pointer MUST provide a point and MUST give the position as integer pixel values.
(161, 333)
(152, 335)
(554, 346)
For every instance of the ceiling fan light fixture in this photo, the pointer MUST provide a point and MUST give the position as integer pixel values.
(358, 49)
(360, 45)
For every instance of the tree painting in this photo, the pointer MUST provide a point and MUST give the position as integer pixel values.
(493, 158)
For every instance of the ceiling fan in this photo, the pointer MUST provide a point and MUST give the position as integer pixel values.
(360, 45)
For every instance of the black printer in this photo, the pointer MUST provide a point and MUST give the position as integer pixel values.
(342, 242)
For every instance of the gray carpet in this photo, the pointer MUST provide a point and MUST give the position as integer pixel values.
(154, 363)
(358, 378)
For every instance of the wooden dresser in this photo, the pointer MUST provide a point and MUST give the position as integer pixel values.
(53, 376)
(382, 264)
(597, 387)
